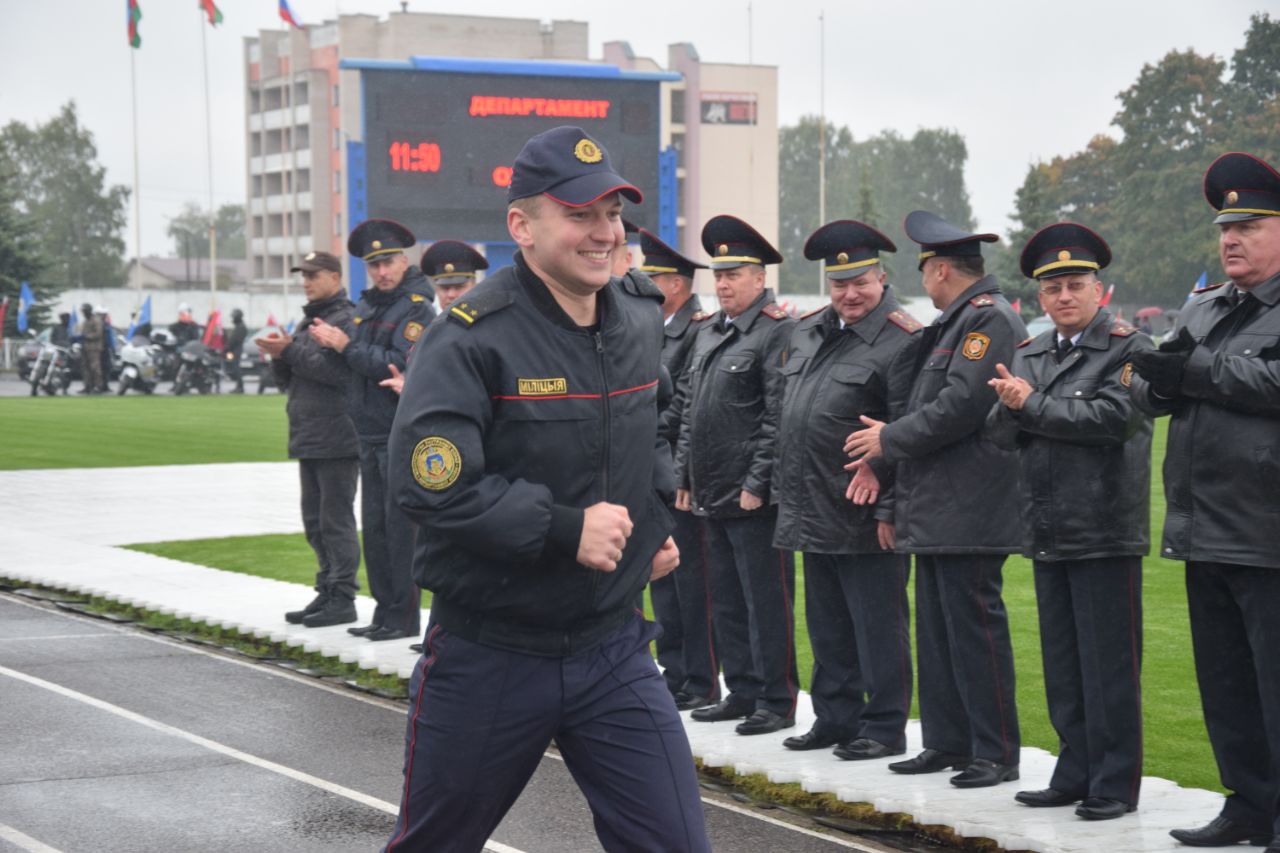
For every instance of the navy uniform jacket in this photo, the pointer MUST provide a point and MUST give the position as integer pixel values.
(1085, 449)
(1222, 462)
(956, 492)
(536, 420)
(387, 325)
(732, 396)
(832, 378)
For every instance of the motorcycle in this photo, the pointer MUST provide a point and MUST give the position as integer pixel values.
(54, 368)
(165, 355)
(138, 366)
(198, 371)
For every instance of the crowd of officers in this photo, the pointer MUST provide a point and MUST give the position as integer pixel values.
(854, 435)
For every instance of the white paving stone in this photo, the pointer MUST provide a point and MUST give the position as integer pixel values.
(61, 528)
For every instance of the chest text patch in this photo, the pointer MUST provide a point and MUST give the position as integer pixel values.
(542, 387)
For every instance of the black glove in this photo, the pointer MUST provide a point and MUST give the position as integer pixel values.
(1163, 367)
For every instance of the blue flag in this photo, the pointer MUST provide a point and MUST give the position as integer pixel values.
(288, 330)
(140, 319)
(71, 323)
(1200, 283)
(25, 301)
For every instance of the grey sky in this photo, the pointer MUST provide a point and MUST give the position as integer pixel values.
(1022, 81)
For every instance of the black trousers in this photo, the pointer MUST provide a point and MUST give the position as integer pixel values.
(682, 606)
(388, 546)
(1235, 631)
(966, 661)
(1091, 640)
(752, 589)
(329, 519)
(858, 617)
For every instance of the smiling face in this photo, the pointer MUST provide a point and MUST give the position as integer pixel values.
(1071, 301)
(1250, 250)
(571, 247)
(738, 287)
(855, 298)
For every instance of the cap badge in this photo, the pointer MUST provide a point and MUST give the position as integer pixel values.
(448, 267)
(1233, 197)
(1064, 255)
(377, 244)
(587, 151)
(722, 249)
(311, 256)
(842, 258)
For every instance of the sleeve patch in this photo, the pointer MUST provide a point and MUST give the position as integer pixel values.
(1126, 375)
(436, 463)
(975, 346)
(413, 331)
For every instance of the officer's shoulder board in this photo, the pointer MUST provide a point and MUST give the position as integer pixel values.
(469, 310)
(904, 321)
(699, 316)
(773, 312)
(417, 297)
(1209, 287)
(1022, 344)
(815, 311)
(639, 284)
(982, 300)
(1122, 329)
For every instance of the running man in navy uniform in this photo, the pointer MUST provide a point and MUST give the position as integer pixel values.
(526, 447)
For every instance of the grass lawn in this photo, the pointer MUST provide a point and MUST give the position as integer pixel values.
(110, 432)
(164, 430)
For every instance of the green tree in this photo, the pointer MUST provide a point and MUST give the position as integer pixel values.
(20, 257)
(189, 231)
(62, 190)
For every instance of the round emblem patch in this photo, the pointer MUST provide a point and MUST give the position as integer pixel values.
(413, 331)
(587, 151)
(1233, 197)
(975, 346)
(436, 463)
(1064, 255)
(842, 258)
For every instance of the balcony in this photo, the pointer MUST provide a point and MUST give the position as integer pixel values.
(276, 119)
(279, 162)
(279, 203)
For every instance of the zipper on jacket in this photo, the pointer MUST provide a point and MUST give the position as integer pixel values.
(604, 458)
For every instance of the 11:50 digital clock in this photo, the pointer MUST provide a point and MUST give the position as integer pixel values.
(406, 157)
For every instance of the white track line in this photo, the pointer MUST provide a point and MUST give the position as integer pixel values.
(220, 748)
(24, 842)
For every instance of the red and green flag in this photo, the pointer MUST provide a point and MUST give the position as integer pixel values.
(214, 13)
(134, 15)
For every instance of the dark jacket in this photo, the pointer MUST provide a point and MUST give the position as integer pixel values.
(234, 342)
(1222, 460)
(316, 380)
(1084, 448)
(833, 377)
(732, 393)
(956, 492)
(677, 342)
(539, 420)
(387, 325)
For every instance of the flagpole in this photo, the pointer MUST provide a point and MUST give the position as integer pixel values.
(137, 187)
(293, 160)
(213, 214)
(822, 132)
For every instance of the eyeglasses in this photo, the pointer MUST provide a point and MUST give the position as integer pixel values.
(1053, 289)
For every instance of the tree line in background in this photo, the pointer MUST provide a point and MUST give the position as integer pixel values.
(1142, 191)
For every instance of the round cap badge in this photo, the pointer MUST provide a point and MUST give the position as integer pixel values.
(436, 463)
(377, 244)
(448, 267)
(1064, 255)
(722, 249)
(1233, 197)
(842, 258)
(587, 151)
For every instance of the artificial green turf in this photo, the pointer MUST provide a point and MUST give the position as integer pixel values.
(110, 432)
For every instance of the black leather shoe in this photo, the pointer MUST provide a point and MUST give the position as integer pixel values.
(728, 708)
(1221, 832)
(364, 629)
(336, 611)
(931, 761)
(763, 722)
(982, 773)
(864, 748)
(385, 633)
(295, 617)
(1103, 808)
(690, 701)
(815, 738)
(1048, 798)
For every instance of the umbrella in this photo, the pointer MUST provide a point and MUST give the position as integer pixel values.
(1149, 311)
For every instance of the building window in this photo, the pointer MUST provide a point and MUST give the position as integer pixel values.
(337, 181)
(337, 224)
(336, 98)
(677, 105)
(304, 180)
(337, 139)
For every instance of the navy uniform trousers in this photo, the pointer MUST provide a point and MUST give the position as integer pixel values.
(329, 519)
(752, 589)
(388, 546)
(682, 607)
(1235, 632)
(965, 657)
(1091, 639)
(481, 719)
(859, 628)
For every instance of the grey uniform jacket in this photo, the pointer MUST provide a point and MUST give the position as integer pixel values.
(833, 377)
(732, 395)
(1222, 462)
(957, 492)
(1085, 449)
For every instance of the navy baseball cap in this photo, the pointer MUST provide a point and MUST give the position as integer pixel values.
(570, 167)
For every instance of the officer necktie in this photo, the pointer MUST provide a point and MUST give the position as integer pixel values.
(1064, 348)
